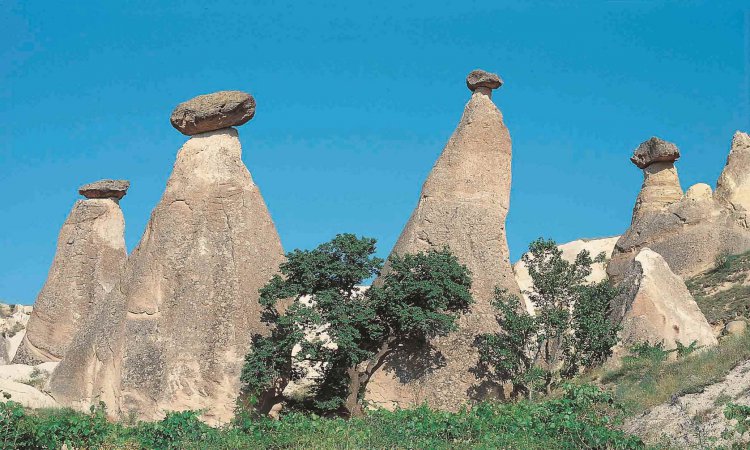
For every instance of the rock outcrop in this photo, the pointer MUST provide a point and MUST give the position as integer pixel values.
(13, 321)
(569, 252)
(174, 333)
(463, 205)
(89, 259)
(655, 306)
(733, 186)
(213, 112)
(692, 231)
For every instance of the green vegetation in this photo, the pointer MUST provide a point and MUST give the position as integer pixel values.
(645, 380)
(536, 352)
(420, 297)
(723, 294)
(583, 417)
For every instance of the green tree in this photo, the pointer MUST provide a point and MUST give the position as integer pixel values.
(315, 301)
(569, 331)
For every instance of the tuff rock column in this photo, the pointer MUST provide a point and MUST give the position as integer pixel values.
(87, 264)
(661, 185)
(463, 205)
(174, 333)
(733, 186)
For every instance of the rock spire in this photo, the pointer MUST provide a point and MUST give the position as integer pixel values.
(87, 264)
(690, 231)
(463, 205)
(174, 334)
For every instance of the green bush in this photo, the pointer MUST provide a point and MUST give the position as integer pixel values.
(582, 417)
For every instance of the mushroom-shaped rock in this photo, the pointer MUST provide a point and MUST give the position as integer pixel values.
(212, 112)
(482, 79)
(654, 150)
(105, 189)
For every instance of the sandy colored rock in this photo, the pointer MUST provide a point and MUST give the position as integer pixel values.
(736, 328)
(28, 396)
(733, 186)
(13, 321)
(655, 306)
(569, 252)
(699, 192)
(463, 205)
(24, 372)
(212, 112)
(690, 233)
(654, 150)
(89, 259)
(174, 333)
(661, 187)
(105, 189)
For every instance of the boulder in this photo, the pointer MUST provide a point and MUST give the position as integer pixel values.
(212, 112)
(654, 306)
(89, 259)
(690, 233)
(736, 328)
(569, 252)
(654, 150)
(174, 334)
(481, 79)
(733, 186)
(463, 206)
(26, 395)
(115, 189)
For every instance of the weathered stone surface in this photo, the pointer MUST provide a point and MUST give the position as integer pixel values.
(28, 396)
(654, 150)
(699, 192)
(689, 233)
(736, 327)
(569, 252)
(212, 112)
(105, 189)
(463, 205)
(89, 259)
(174, 333)
(661, 187)
(733, 186)
(482, 79)
(655, 306)
(13, 321)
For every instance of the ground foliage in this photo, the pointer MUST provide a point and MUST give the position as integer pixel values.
(581, 417)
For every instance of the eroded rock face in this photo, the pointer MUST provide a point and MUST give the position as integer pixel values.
(174, 333)
(655, 306)
(463, 205)
(689, 232)
(87, 264)
(13, 321)
(733, 186)
(212, 112)
(569, 252)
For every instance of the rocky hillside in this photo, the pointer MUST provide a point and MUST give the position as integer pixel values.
(723, 294)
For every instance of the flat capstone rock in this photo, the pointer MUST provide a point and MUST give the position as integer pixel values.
(212, 112)
(654, 150)
(105, 189)
(480, 78)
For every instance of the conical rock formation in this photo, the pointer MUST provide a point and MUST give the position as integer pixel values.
(463, 205)
(89, 259)
(733, 186)
(692, 232)
(174, 333)
(661, 185)
(655, 306)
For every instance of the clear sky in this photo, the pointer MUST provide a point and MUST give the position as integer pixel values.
(355, 102)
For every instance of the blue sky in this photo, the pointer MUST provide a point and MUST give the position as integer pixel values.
(355, 102)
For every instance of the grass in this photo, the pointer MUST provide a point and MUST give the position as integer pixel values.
(728, 304)
(641, 383)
